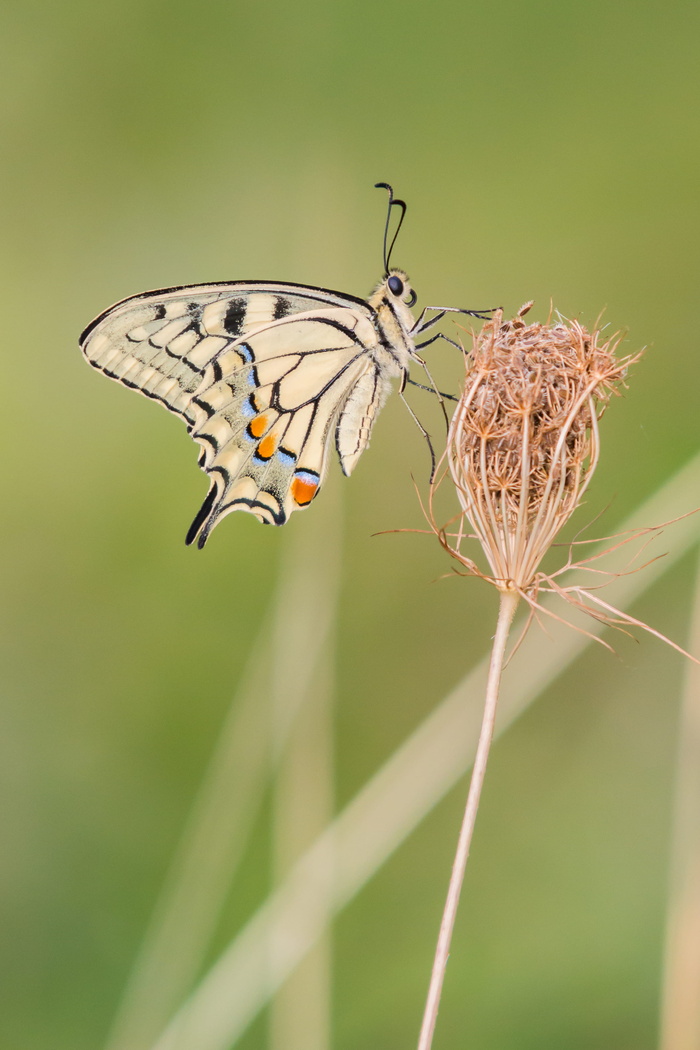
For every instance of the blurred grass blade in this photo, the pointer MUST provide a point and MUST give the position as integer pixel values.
(680, 1014)
(300, 1015)
(396, 799)
(204, 864)
(302, 804)
(252, 741)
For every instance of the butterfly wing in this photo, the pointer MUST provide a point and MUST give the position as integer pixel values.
(264, 375)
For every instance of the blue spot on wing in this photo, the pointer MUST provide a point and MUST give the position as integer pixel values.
(308, 477)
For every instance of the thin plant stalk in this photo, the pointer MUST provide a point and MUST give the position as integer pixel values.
(522, 447)
(680, 1007)
(506, 611)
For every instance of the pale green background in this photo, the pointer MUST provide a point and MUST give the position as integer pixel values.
(547, 150)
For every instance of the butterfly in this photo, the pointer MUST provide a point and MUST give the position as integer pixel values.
(267, 376)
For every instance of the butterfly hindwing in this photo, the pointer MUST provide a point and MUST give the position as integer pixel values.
(265, 376)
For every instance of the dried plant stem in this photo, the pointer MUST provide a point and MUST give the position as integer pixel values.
(507, 607)
(680, 1010)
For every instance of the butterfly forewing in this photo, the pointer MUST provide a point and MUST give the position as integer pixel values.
(264, 374)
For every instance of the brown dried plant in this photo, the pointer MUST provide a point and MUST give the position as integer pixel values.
(522, 447)
(521, 450)
(523, 442)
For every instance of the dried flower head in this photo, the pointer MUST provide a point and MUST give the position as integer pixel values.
(521, 450)
(523, 442)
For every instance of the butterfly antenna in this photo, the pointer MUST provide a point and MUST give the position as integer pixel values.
(394, 202)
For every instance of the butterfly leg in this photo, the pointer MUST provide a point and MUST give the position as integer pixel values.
(433, 385)
(422, 325)
(483, 315)
(424, 432)
(440, 335)
(422, 386)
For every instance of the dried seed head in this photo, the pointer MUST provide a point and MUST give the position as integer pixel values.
(523, 442)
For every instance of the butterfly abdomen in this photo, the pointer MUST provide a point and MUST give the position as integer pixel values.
(358, 415)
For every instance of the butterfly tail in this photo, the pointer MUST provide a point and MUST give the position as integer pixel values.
(245, 494)
(204, 520)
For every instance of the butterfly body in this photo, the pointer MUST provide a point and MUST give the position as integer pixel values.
(267, 377)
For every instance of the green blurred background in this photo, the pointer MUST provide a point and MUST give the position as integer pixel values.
(547, 151)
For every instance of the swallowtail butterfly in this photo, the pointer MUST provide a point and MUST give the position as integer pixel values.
(267, 376)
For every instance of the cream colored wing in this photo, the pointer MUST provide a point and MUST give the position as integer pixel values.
(265, 375)
(159, 342)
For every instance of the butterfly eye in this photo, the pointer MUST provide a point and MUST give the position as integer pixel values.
(395, 285)
(412, 299)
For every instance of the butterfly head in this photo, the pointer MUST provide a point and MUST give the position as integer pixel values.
(395, 289)
(395, 297)
(398, 286)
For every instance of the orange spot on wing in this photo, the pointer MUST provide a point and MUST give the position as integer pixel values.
(258, 426)
(267, 447)
(303, 491)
